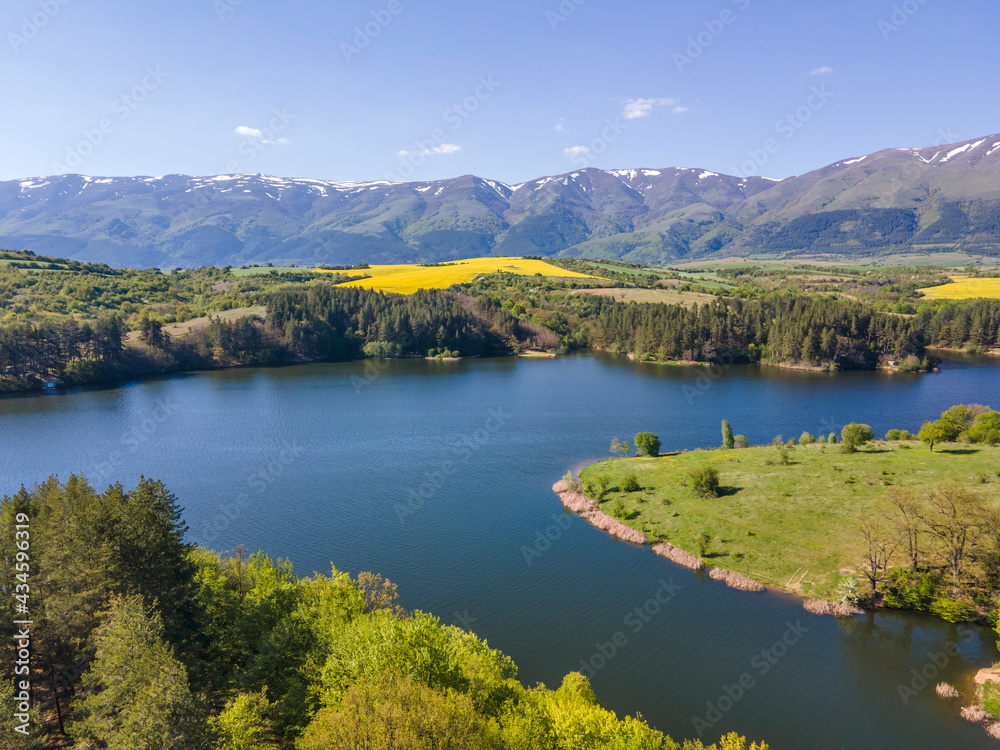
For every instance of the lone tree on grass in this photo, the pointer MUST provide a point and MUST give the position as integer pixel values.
(728, 441)
(648, 443)
(935, 432)
(856, 436)
(705, 482)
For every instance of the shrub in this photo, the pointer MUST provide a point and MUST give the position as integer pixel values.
(778, 440)
(847, 592)
(991, 699)
(907, 590)
(952, 610)
(630, 484)
(648, 443)
(740, 441)
(602, 486)
(833, 438)
(705, 482)
(703, 541)
(856, 436)
(822, 438)
(571, 481)
(806, 438)
(792, 442)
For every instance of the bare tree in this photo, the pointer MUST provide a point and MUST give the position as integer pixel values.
(959, 518)
(908, 503)
(881, 540)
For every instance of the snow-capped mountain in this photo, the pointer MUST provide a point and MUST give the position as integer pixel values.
(942, 196)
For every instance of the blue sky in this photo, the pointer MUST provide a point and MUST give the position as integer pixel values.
(393, 89)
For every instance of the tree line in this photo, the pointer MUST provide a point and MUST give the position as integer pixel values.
(309, 320)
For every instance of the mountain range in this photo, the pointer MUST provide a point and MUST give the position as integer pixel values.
(912, 199)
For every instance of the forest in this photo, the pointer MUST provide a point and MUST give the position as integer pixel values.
(65, 323)
(140, 640)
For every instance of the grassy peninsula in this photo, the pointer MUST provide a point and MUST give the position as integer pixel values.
(792, 516)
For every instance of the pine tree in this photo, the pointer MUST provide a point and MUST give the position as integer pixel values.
(137, 691)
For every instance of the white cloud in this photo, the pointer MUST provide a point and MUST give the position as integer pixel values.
(825, 70)
(635, 108)
(444, 148)
(560, 126)
(258, 134)
(576, 151)
(680, 109)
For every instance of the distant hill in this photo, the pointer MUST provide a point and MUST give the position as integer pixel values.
(944, 197)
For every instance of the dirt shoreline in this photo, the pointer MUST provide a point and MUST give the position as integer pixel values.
(587, 509)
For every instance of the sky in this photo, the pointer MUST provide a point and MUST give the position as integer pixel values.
(418, 90)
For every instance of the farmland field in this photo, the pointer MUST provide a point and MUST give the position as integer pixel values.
(663, 296)
(965, 287)
(406, 279)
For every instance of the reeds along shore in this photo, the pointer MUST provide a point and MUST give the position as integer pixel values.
(587, 509)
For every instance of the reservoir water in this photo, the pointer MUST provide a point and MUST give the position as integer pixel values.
(439, 475)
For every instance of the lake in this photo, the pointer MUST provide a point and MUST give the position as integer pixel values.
(439, 475)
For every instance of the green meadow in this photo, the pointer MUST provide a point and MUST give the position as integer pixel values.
(793, 525)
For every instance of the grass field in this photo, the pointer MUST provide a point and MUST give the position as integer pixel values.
(665, 296)
(183, 329)
(406, 279)
(623, 269)
(965, 287)
(793, 526)
(261, 270)
(918, 260)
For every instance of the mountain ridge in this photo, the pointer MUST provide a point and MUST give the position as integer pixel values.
(938, 197)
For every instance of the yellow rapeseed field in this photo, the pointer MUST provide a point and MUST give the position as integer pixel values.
(406, 279)
(965, 287)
